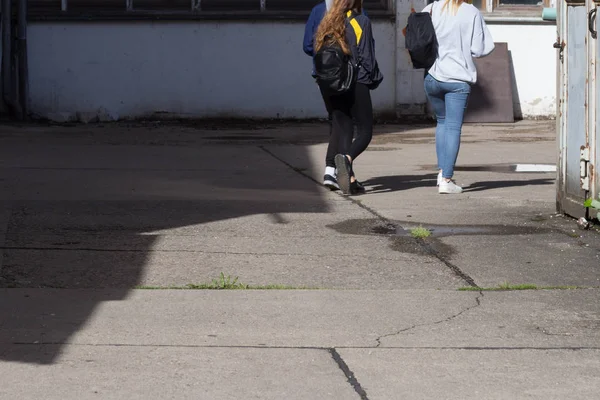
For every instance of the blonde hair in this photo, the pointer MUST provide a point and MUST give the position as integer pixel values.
(332, 30)
(452, 5)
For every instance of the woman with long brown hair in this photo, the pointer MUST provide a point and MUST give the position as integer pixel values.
(345, 25)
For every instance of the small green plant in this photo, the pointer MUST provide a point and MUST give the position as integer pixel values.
(420, 232)
(526, 286)
(211, 286)
(591, 203)
(224, 283)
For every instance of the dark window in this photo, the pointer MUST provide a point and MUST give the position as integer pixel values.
(91, 7)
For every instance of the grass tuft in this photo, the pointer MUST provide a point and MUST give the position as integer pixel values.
(508, 287)
(420, 232)
(223, 283)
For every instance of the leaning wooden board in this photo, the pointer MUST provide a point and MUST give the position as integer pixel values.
(491, 97)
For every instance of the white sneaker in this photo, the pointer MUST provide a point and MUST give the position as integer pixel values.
(330, 182)
(439, 179)
(449, 188)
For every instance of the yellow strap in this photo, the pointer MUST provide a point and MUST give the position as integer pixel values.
(357, 29)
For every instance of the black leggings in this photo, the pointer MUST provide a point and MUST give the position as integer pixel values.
(328, 108)
(354, 105)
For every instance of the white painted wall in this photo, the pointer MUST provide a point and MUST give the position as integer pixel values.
(534, 67)
(235, 69)
(198, 69)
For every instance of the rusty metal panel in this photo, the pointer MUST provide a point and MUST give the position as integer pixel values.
(491, 98)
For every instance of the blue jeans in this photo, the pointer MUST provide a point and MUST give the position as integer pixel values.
(449, 102)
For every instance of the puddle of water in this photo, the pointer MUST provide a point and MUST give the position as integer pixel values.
(388, 229)
(448, 230)
(402, 228)
(402, 240)
(407, 245)
(459, 230)
(398, 242)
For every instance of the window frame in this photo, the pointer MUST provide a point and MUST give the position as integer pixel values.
(129, 12)
(494, 12)
(495, 9)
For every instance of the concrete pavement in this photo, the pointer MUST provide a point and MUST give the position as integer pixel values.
(90, 213)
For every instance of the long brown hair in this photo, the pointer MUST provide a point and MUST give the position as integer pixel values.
(332, 30)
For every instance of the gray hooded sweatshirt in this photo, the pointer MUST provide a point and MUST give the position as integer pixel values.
(460, 38)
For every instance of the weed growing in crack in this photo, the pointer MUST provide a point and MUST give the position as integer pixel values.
(420, 232)
(224, 283)
(508, 287)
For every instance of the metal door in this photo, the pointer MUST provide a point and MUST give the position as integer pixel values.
(576, 122)
(594, 136)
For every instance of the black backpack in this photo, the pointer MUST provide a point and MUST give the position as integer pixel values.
(335, 71)
(420, 40)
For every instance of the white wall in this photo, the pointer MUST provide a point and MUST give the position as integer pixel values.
(235, 69)
(534, 67)
(195, 69)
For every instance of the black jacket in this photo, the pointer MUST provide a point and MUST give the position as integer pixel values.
(363, 50)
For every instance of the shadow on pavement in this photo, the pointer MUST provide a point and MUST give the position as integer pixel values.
(488, 185)
(394, 183)
(79, 210)
(82, 208)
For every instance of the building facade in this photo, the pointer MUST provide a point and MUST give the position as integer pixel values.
(242, 58)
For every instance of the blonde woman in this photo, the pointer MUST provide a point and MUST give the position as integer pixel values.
(345, 25)
(461, 35)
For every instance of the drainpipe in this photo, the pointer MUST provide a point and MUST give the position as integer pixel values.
(549, 14)
(7, 83)
(23, 66)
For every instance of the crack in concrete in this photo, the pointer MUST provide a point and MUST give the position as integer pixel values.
(425, 246)
(266, 347)
(457, 271)
(243, 253)
(349, 374)
(450, 318)
(548, 333)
